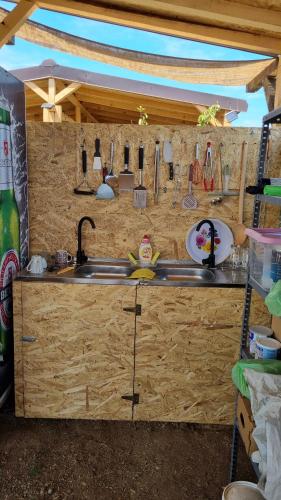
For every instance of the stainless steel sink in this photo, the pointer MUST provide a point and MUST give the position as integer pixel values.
(193, 274)
(117, 271)
(100, 271)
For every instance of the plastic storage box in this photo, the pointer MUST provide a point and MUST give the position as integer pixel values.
(265, 255)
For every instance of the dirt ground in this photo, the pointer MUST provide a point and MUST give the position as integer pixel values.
(73, 460)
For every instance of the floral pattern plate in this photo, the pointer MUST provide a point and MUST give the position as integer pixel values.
(198, 243)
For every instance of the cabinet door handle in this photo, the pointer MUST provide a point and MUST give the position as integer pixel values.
(28, 338)
(136, 309)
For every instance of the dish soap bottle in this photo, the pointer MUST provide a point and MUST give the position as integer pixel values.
(145, 251)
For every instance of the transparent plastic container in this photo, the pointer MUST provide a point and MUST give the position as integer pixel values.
(264, 243)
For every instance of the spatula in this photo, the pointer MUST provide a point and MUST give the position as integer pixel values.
(140, 192)
(97, 156)
(189, 201)
(126, 178)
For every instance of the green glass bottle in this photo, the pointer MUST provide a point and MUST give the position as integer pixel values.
(9, 234)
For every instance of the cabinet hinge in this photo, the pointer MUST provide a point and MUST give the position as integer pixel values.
(135, 398)
(136, 309)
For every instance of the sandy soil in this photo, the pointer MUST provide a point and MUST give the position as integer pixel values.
(73, 460)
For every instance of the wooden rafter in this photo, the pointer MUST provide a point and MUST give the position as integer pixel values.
(66, 92)
(208, 12)
(12, 22)
(127, 103)
(182, 69)
(101, 105)
(237, 36)
(40, 92)
(257, 82)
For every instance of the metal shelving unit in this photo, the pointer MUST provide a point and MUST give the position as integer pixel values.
(261, 291)
(268, 120)
(270, 200)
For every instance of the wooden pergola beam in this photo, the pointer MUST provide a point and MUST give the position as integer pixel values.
(257, 82)
(40, 92)
(13, 21)
(128, 103)
(66, 92)
(77, 104)
(239, 38)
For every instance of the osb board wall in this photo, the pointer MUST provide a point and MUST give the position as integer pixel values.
(55, 169)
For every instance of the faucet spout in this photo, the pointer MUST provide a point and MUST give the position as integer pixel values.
(81, 257)
(211, 260)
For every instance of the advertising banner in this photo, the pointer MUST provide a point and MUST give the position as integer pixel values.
(13, 200)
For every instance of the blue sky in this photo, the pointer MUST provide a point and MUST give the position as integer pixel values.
(24, 54)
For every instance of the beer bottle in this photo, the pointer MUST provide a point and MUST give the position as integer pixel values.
(9, 234)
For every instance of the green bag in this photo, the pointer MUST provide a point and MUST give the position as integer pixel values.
(272, 190)
(272, 366)
(273, 299)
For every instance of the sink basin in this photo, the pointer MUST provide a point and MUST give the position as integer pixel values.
(193, 274)
(101, 271)
(118, 271)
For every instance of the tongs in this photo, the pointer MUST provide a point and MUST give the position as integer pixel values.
(208, 169)
(156, 171)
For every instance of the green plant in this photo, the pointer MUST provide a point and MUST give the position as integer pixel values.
(143, 119)
(208, 115)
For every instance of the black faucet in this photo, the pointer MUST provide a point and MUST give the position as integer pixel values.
(211, 259)
(81, 257)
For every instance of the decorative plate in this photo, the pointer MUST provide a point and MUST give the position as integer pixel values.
(198, 243)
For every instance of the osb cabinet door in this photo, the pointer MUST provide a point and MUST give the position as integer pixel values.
(187, 340)
(81, 361)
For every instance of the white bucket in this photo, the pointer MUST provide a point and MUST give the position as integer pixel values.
(267, 348)
(255, 332)
(242, 490)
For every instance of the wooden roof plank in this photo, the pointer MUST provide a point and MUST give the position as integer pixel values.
(169, 25)
(52, 70)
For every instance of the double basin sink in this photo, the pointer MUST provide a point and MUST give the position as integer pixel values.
(120, 271)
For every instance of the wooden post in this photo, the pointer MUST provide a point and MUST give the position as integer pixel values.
(78, 114)
(53, 114)
(52, 90)
(277, 98)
